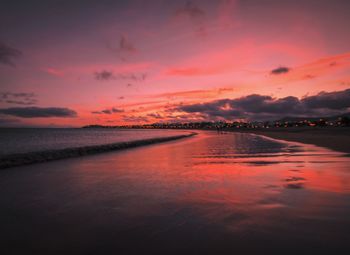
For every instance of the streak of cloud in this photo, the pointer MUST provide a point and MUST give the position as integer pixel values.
(106, 75)
(108, 111)
(39, 112)
(18, 98)
(8, 54)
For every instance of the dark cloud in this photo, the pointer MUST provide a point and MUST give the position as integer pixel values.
(191, 10)
(8, 54)
(215, 109)
(114, 110)
(124, 49)
(258, 107)
(108, 111)
(39, 112)
(155, 115)
(18, 98)
(105, 75)
(337, 100)
(280, 70)
(131, 76)
(126, 46)
(196, 15)
(266, 104)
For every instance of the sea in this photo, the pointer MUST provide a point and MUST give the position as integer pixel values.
(29, 140)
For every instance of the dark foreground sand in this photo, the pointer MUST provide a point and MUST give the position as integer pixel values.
(337, 139)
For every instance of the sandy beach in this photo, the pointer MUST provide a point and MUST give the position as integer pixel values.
(207, 194)
(333, 138)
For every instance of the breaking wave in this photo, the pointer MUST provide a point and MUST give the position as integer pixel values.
(49, 155)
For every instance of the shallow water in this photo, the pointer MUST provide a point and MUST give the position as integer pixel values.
(24, 140)
(209, 194)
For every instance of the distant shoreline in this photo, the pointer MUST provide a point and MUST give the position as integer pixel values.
(337, 139)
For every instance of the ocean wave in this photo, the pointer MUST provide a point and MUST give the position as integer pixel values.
(49, 155)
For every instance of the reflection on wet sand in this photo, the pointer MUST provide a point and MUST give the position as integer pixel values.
(210, 194)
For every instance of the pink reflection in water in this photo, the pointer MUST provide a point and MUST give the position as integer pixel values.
(232, 179)
(230, 191)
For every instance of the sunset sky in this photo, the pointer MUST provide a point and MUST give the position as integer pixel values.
(73, 63)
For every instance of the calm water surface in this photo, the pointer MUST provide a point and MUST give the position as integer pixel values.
(210, 194)
(23, 140)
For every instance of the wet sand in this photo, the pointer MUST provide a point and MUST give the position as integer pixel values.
(209, 194)
(333, 138)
